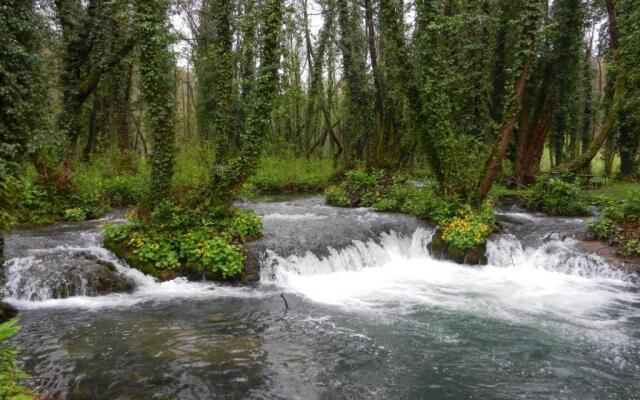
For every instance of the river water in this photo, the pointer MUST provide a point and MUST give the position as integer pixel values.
(374, 317)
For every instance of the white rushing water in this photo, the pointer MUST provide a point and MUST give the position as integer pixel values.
(394, 274)
(553, 282)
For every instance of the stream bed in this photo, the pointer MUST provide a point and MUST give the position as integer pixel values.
(370, 316)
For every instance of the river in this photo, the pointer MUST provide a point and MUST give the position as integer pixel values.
(370, 316)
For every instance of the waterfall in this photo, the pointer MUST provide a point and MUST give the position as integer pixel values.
(396, 274)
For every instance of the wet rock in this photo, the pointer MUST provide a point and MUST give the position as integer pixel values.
(253, 262)
(7, 312)
(61, 275)
(441, 250)
(610, 255)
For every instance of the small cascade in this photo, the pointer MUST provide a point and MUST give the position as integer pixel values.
(79, 272)
(64, 273)
(396, 273)
(355, 257)
(554, 255)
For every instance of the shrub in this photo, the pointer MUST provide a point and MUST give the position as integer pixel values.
(35, 205)
(188, 239)
(465, 232)
(337, 196)
(556, 197)
(10, 374)
(123, 190)
(289, 175)
(462, 227)
(631, 248)
(359, 189)
(619, 223)
(632, 205)
(75, 214)
(603, 228)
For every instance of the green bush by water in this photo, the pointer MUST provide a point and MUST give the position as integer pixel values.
(108, 181)
(619, 223)
(187, 240)
(556, 197)
(10, 374)
(462, 227)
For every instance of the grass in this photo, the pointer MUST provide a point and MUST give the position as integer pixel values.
(597, 164)
(614, 191)
(289, 175)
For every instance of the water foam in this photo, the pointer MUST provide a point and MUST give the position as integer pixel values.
(396, 275)
(30, 295)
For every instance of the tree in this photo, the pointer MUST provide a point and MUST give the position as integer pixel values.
(530, 18)
(227, 178)
(158, 90)
(360, 122)
(611, 114)
(23, 103)
(87, 54)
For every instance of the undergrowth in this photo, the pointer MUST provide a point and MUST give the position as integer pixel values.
(462, 226)
(10, 374)
(186, 240)
(619, 223)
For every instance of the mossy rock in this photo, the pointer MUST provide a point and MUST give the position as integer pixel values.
(442, 250)
(193, 272)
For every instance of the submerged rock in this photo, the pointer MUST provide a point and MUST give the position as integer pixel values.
(63, 274)
(441, 250)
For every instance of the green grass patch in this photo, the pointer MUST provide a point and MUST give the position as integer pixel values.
(616, 190)
(289, 175)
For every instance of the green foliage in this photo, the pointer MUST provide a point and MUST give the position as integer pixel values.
(23, 103)
(123, 190)
(8, 205)
(337, 196)
(158, 91)
(228, 177)
(619, 223)
(632, 205)
(604, 228)
(463, 227)
(469, 229)
(289, 175)
(189, 239)
(75, 214)
(556, 197)
(359, 188)
(10, 374)
(95, 187)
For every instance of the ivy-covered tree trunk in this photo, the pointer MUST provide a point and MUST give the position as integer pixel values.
(70, 15)
(611, 114)
(531, 13)
(361, 124)
(222, 70)
(158, 91)
(228, 178)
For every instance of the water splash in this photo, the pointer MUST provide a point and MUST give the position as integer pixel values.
(544, 285)
(33, 282)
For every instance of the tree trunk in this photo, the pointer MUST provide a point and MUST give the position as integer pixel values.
(91, 137)
(607, 127)
(504, 136)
